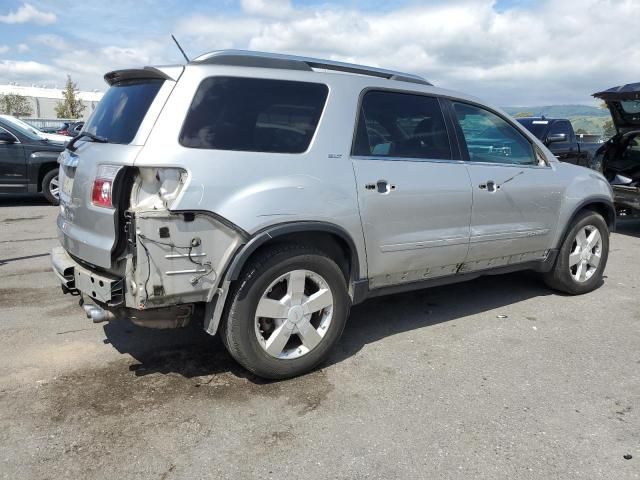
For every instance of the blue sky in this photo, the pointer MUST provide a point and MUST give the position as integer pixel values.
(511, 52)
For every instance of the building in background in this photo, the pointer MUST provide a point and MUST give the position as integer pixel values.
(44, 100)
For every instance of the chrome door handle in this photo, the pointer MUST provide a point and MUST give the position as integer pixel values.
(490, 186)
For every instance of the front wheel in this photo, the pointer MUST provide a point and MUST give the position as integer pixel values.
(51, 187)
(287, 312)
(582, 257)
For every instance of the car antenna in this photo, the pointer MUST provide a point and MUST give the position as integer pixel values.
(180, 48)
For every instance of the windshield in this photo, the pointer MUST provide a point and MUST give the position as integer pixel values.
(122, 109)
(24, 128)
(537, 127)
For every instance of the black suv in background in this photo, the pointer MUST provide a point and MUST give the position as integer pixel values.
(28, 162)
(559, 137)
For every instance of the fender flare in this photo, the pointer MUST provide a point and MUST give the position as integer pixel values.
(602, 200)
(279, 230)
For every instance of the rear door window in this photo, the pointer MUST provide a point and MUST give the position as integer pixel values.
(122, 109)
(254, 115)
(401, 125)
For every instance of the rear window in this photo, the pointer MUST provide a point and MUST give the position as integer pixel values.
(537, 127)
(122, 109)
(253, 115)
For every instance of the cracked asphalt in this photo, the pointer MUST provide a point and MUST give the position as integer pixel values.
(498, 378)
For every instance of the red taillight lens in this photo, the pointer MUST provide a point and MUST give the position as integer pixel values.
(101, 194)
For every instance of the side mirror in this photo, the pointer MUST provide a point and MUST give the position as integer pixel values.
(556, 138)
(7, 138)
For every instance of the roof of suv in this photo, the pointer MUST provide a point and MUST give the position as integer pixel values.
(244, 58)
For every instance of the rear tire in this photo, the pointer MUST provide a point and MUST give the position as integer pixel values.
(303, 295)
(582, 257)
(51, 187)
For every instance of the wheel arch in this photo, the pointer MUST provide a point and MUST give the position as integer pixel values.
(328, 237)
(41, 163)
(602, 205)
(43, 169)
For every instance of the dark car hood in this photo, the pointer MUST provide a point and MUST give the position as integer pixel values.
(624, 105)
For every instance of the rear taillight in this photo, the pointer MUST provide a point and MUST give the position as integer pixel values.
(102, 192)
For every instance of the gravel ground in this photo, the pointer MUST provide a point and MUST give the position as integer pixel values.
(498, 378)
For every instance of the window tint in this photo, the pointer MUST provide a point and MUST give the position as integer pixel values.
(401, 125)
(489, 138)
(537, 127)
(122, 109)
(254, 115)
(561, 127)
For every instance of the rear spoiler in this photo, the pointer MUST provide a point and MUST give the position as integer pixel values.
(165, 72)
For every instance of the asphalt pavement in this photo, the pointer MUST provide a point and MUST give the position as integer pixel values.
(498, 378)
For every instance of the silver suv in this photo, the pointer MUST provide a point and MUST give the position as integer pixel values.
(265, 194)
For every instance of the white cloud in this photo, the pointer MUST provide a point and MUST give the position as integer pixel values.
(550, 52)
(4, 49)
(29, 71)
(27, 13)
(23, 48)
(266, 8)
(50, 40)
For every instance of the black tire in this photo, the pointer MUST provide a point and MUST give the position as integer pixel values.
(238, 328)
(560, 277)
(47, 186)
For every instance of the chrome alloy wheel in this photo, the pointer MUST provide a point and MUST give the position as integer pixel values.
(586, 252)
(54, 187)
(294, 314)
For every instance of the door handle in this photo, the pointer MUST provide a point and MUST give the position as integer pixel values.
(381, 186)
(490, 186)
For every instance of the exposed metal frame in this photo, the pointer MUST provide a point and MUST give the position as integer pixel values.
(245, 58)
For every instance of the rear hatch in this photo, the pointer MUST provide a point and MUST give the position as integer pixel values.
(116, 132)
(624, 104)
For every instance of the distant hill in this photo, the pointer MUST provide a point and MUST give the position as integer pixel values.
(584, 117)
(561, 111)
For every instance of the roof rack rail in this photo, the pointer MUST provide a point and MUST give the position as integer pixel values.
(245, 58)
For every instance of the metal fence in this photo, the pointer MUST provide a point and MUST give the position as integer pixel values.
(42, 123)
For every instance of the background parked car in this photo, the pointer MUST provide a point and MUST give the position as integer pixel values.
(619, 158)
(71, 129)
(62, 130)
(52, 137)
(28, 161)
(559, 137)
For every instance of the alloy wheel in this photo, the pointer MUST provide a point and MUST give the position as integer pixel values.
(586, 253)
(294, 314)
(54, 187)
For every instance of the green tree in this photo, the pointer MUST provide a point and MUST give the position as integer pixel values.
(71, 106)
(581, 131)
(523, 114)
(14, 104)
(609, 129)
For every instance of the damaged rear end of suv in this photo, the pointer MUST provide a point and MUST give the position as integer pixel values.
(127, 249)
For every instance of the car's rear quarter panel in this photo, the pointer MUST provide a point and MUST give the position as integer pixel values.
(255, 190)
